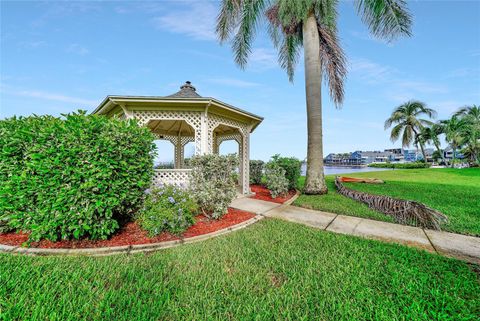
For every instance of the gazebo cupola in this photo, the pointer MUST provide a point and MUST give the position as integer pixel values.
(185, 117)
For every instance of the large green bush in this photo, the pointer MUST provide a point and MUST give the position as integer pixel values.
(256, 171)
(277, 183)
(292, 167)
(166, 208)
(212, 184)
(72, 177)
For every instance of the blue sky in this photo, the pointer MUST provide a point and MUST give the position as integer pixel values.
(57, 57)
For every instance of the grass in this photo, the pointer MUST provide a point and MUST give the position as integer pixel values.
(273, 270)
(454, 192)
(336, 203)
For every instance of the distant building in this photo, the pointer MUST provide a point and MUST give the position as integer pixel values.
(393, 155)
(363, 157)
(448, 154)
(411, 155)
(396, 151)
(415, 155)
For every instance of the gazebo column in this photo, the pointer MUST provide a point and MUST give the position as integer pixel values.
(244, 161)
(203, 137)
(179, 153)
(216, 145)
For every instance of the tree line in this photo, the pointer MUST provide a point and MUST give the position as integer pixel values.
(413, 123)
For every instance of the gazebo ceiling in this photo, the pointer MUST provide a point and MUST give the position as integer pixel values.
(224, 130)
(171, 127)
(181, 128)
(186, 99)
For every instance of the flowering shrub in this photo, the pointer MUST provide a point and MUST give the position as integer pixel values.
(256, 171)
(212, 184)
(292, 167)
(276, 181)
(71, 177)
(168, 208)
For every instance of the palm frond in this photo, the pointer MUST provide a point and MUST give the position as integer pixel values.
(407, 136)
(241, 16)
(387, 19)
(396, 132)
(397, 115)
(227, 18)
(289, 53)
(252, 10)
(333, 62)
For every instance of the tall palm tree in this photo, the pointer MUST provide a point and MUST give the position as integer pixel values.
(454, 129)
(471, 117)
(311, 24)
(431, 135)
(409, 124)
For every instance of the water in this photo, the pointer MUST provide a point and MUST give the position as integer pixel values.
(333, 170)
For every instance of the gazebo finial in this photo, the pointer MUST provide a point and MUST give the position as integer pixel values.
(188, 85)
(186, 91)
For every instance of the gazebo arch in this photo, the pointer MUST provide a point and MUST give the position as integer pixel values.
(185, 117)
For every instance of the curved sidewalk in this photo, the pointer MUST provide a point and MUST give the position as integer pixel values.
(458, 246)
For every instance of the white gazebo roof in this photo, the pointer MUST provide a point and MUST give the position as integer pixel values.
(186, 98)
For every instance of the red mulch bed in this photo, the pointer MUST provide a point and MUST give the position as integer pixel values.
(131, 234)
(262, 193)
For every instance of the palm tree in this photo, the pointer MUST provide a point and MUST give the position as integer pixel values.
(409, 125)
(431, 135)
(311, 24)
(471, 117)
(454, 129)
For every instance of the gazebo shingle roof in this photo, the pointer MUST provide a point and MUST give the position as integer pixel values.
(186, 91)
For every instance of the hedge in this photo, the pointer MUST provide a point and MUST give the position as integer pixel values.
(72, 177)
(292, 167)
(400, 165)
(256, 171)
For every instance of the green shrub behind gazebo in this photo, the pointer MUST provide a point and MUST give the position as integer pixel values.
(72, 177)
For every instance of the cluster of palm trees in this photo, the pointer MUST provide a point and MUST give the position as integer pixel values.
(412, 122)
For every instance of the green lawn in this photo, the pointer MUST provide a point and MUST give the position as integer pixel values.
(273, 270)
(454, 192)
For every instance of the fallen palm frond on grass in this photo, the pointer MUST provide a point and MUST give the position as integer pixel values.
(402, 211)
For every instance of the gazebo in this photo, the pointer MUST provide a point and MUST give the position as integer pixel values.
(185, 117)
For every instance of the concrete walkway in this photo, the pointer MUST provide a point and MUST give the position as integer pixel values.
(458, 246)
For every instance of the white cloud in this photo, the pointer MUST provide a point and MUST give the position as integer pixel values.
(363, 35)
(463, 72)
(48, 96)
(341, 122)
(196, 20)
(121, 10)
(420, 86)
(233, 82)
(396, 85)
(33, 44)
(474, 53)
(78, 49)
(263, 58)
(371, 71)
(447, 107)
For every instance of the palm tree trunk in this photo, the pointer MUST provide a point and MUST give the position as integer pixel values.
(421, 145)
(315, 181)
(437, 146)
(453, 157)
(423, 153)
